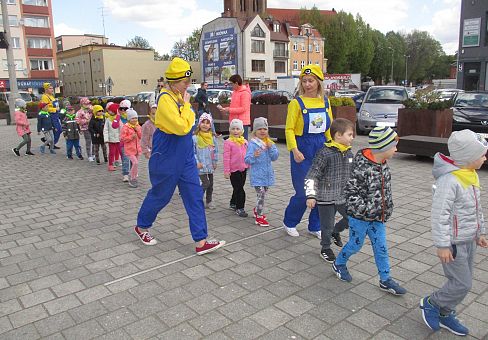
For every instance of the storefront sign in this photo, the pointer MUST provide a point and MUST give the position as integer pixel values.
(471, 32)
(28, 83)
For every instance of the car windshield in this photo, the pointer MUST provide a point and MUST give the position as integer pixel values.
(472, 100)
(24, 95)
(143, 97)
(386, 95)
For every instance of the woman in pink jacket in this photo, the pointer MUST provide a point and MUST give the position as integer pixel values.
(22, 127)
(131, 136)
(235, 149)
(240, 104)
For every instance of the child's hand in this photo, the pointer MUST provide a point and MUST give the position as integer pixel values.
(445, 255)
(147, 155)
(311, 203)
(257, 153)
(215, 166)
(482, 242)
(199, 165)
(226, 176)
(134, 136)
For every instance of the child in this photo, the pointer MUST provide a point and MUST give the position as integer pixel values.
(83, 117)
(123, 107)
(111, 135)
(260, 153)
(325, 181)
(95, 127)
(131, 136)
(369, 205)
(206, 153)
(235, 148)
(22, 127)
(45, 125)
(457, 226)
(148, 129)
(71, 132)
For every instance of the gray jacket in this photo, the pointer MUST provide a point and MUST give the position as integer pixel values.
(456, 215)
(328, 175)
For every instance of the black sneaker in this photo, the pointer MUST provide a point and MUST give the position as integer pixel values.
(80, 157)
(241, 213)
(16, 152)
(337, 239)
(43, 140)
(56, 147)
(232, 207)
(69, 157)
(28, 153)
(328, 255)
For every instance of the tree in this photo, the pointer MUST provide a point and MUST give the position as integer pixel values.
(424, 51)
(378, 70)
(188, 49)
(362, 52)
(339, 33)
(139, 42)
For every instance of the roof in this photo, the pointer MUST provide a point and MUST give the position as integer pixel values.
(292, 15)
(282, 35)
(295, 32)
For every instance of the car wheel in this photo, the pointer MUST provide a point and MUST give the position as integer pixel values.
(359, 132)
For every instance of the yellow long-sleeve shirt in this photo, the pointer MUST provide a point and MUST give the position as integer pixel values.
(294, 119)
(48, 99)
(172, 120)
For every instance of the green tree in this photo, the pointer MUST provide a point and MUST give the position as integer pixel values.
(362, 52)
(424, 51)
(188, 49)
(339, 33)
(378, 70)
(139, 42)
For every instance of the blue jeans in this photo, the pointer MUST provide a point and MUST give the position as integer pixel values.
(70, 143)
(125, 162)
(376, 231)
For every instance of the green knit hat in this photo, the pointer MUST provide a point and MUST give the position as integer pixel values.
(382, 138)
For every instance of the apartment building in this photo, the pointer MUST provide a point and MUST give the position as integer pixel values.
(32, 33)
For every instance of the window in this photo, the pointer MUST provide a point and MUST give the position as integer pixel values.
(35, 2)
(38, 42)
(309, 62)
(143, 81)
(258, 65)
(41, 64)
(317, 48)
(276, 27)
(295, 46)
(302, 64)
(257, 46)
(316, 63)
(295, 65)
(12, 20)
(10, 2)
(36, 22)
(310, 48)
(15, 42)
(19, 64)
(280, 67)
(303, 47)
(258, 32)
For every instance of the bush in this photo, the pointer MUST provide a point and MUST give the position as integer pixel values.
(270, 99)
(341, 101)
(427, 99)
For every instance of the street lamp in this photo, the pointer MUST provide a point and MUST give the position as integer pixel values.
(392, 52)
(62, 66)
(406, 68)
(82, 63)
(307, 33)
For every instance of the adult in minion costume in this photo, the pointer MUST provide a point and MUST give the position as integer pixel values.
(53, 109)
(307, 129)
(173, 163)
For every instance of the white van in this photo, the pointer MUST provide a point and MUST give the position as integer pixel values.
(23, 94)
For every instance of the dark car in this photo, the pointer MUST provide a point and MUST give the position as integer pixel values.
(358, 100)
(261, 96)
(470, 111)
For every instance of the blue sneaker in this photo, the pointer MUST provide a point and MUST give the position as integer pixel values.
(52, 152)
(342, 272)
(42, 149)
(452, 324)
(430, 314)
(391, 286)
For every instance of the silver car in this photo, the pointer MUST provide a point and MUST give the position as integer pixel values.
(380, 107)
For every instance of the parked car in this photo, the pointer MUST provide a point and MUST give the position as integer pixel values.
(380, 107)
(347, 93)
(146, 96)
(23, 94)
(470, 111)
(218, 95)
(446, 94)
(358, 100)
(256, 94)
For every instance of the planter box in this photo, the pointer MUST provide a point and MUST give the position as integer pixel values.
(346, 112)
(276, 114)
(423, 122)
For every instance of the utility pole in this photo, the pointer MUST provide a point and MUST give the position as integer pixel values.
(14, 91)
(392, 51)
(406, 68)
(103, 23)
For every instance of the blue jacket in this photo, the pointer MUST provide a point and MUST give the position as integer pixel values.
(44, 122)
(262, 173)
(207, 156)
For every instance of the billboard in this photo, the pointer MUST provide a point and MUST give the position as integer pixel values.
(219, 56)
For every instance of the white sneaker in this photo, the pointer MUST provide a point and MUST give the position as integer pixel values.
(126, 178)
(291, 231)
(210, 206)
(91, 159)
(317, 234)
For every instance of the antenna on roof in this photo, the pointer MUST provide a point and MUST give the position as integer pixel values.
(103, 23)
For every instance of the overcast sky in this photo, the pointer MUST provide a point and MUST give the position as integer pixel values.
(163, 22)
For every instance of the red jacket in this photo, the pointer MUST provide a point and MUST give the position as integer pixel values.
(240, 105)
(132, 145)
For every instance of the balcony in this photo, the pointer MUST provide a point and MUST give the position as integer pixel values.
(43, 74)
(281, 54)
(40, 52)
(44, 31)
(30, 9)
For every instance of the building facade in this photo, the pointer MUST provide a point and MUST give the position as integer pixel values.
(307, 47)
(85, 70)
(472, 72)
(32, 33)
(67, 42)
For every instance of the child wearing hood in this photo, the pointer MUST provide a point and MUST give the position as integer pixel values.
(45, 125)
(111, 135)
(148, 129)
(457, 226)
(131, 136)
(83, 117)
(22, 127)
(71, 132)
(123, 108)
(95, 127)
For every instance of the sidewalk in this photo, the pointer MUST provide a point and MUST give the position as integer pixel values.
(72, 268)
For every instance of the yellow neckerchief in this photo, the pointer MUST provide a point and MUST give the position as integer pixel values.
(238, 140)
(132, 125)
(111, 117)
(152, 118)
(204, 139)
(123, 114)
(263, 142)
(99, 116)
(467, 177)
(341, 147)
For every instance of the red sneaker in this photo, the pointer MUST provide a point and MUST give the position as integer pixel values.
(145, 237)
(111, 168)
(261, 221)
(209, 246)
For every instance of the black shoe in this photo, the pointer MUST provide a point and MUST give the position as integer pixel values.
(16, 152)
(328, 255)
(241, 213)
(98, 162)
(105, 160)
(28, 153)
(69, 157)
(232, 207)
(43, 140)
(337, 239)
(80, 157)
(56, 147)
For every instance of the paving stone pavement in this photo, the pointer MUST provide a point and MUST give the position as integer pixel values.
(71, 267)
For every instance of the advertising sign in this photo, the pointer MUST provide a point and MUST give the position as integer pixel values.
(219, 56)
(471, 32)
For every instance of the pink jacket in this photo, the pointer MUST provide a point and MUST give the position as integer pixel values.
(132, 146)
(83, 117)
(240, 105)
(148, 129)
(234, 157)
(22, 123)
